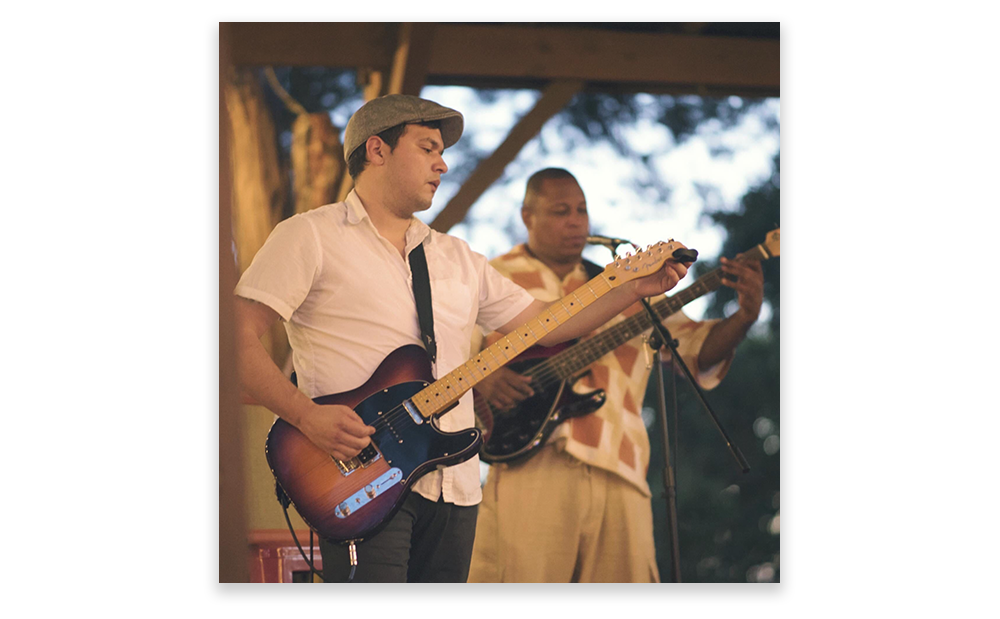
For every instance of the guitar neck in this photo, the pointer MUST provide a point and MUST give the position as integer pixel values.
(567, 363)
(445, 392)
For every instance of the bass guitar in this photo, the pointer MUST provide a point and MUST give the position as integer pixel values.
(517, 432)
(349, 501)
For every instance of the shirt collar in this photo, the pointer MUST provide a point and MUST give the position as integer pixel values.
(522, 251)
(356, 213)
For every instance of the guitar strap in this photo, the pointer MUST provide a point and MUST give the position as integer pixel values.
(593, 270)
(422, 294)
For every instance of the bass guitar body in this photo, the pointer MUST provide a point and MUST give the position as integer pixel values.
(346, 501)
(517, 432)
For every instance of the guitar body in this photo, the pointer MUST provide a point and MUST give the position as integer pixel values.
(516, 433)
(352, 501)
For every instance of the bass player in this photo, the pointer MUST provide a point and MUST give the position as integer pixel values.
(579, 509)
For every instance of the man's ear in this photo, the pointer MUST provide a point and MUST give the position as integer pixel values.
(526, 216)
(376, 150)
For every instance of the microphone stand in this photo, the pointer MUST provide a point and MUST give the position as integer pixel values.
(659, 337)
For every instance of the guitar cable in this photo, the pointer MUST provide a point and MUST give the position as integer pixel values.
(352, 549)
(285, 502)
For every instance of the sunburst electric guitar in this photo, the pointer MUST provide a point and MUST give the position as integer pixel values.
(349, 501)
(517, 432)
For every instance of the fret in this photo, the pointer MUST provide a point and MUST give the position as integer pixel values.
(577, 357)
(447, 389)
(562, 303)
(495, 360)
(547, 320)
(564, 313)
(511, 344)
(473, 371)
(533, 334)
(503, 351)
(588, 289)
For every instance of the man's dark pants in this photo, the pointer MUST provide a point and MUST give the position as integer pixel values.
(426, 541)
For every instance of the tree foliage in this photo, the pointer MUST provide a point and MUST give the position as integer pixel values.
(728, 521)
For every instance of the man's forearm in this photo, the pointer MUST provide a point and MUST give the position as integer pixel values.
(262, 380)
(723, 339)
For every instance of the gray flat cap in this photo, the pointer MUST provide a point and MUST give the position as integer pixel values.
(386, 112)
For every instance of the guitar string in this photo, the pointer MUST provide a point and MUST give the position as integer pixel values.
(549, 371)
(588, 351)
(400, 413)
(553, 370)
(594, 348)
(565, 364)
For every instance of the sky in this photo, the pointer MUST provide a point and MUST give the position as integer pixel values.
(616, 207)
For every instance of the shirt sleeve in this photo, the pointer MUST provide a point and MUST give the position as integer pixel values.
(500, 300)
(690, 336)
(284, 269)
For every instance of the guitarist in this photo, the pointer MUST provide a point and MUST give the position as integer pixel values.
(339, 279)
(579, 509)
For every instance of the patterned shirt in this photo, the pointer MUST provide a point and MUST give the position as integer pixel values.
(613, 437)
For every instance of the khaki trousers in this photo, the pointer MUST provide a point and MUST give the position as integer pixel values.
(555, 519)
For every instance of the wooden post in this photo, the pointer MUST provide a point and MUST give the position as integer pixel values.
(232, 485)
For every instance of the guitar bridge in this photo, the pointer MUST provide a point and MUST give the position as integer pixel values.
(368, 455)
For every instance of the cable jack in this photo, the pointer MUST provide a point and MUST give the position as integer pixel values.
(353, 552)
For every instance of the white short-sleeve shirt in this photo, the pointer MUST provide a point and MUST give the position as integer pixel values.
(346, 298)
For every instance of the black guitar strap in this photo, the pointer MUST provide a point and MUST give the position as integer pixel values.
(593, 270)
(422, 293)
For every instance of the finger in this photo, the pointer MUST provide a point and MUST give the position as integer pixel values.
(512, 394)
(351, 422)
(349, 453)
(679, 269)
(355, 443)
(522, 388)
(736, 268)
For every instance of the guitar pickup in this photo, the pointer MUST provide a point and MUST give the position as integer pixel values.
(368, 455)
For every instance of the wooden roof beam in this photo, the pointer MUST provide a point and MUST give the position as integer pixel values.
(522, 52)
(511, 56)
(553, 99)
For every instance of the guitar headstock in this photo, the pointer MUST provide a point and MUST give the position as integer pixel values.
(772, 243)
(628, 267)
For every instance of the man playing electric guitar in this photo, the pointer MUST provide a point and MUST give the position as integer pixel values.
(578, 509)
(339, 278)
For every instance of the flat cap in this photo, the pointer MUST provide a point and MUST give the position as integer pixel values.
(386, 112)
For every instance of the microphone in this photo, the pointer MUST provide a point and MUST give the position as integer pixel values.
(608, 241)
